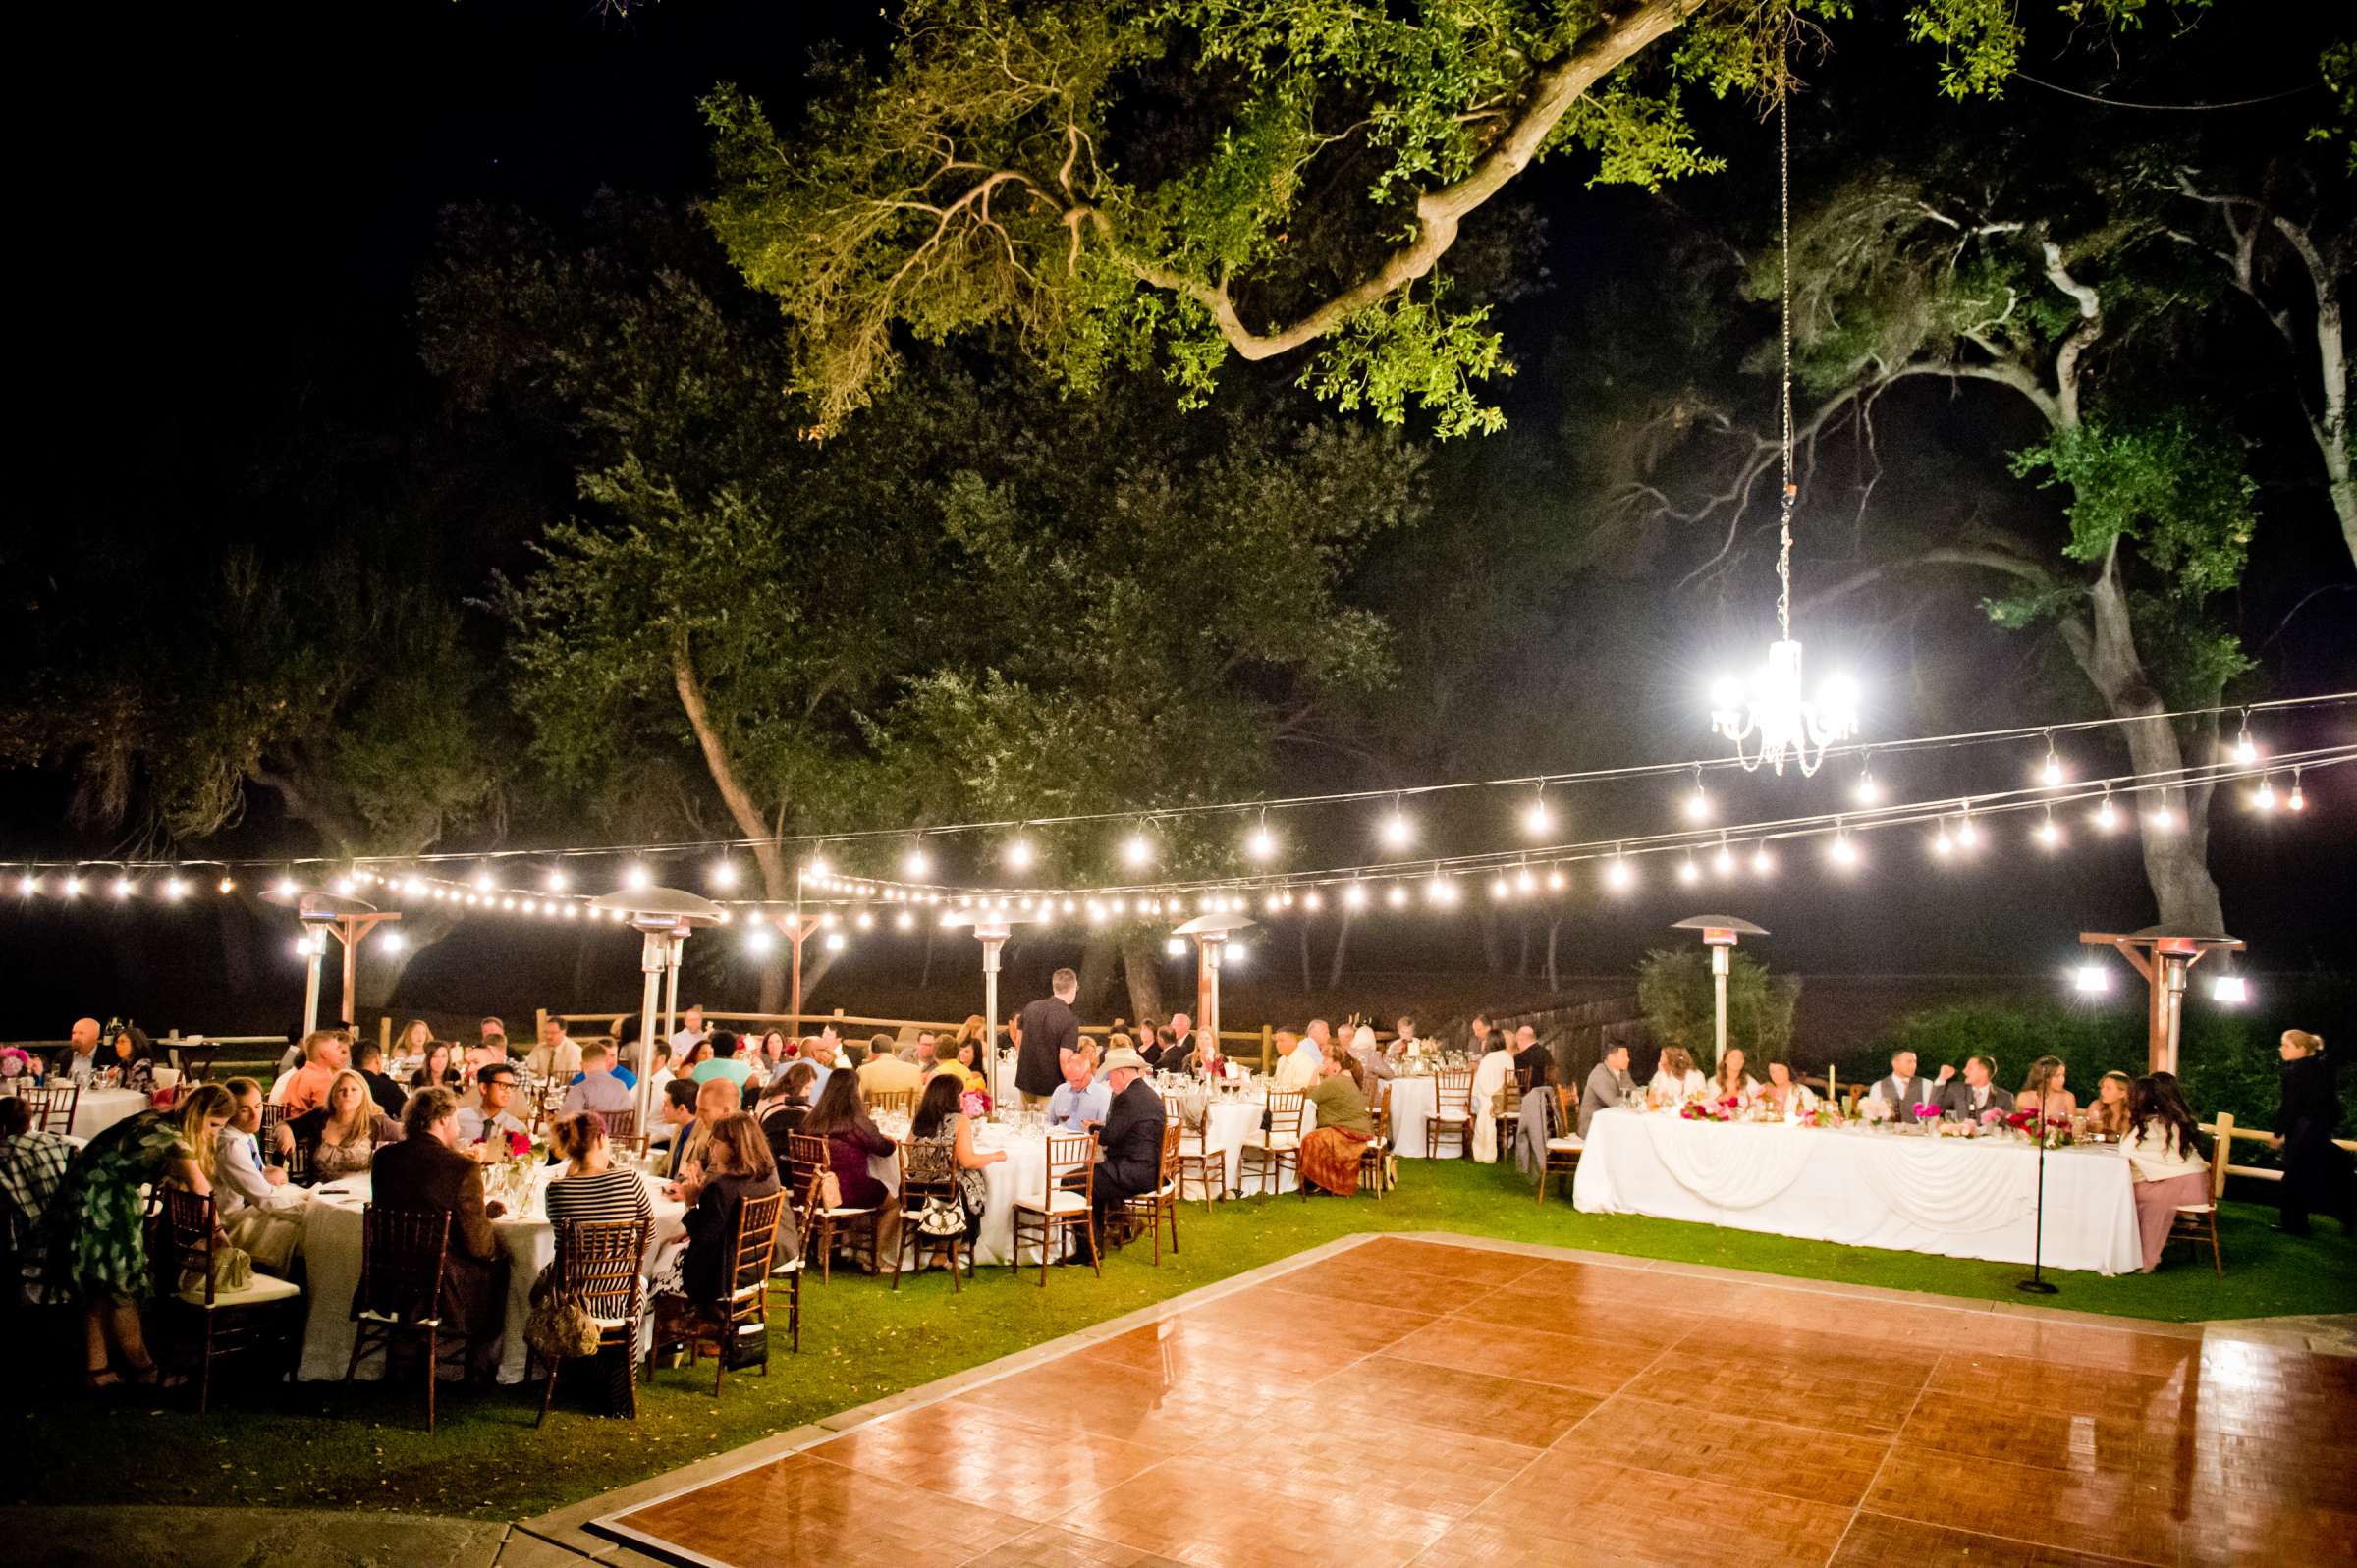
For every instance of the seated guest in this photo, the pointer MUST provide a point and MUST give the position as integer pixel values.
(1529, 1055)
(1784, 1093)
(1675, 1079)
(1975, 1094)
(737, 1165)
(341, 1136)
(675, 1120)
(1372, 1062)
(1129, 1149)
(1608, 1085)
(715, 1098)
(1903, 1088)
(556, 1059)
(2108, 1117)
(486, 1127)
(99, 1218)
(841, 1118)
(1149, 1044)
(784, 1107)
(436, 1071)
(1729, 1078)
(1490, 1074)
(324, 1054)
(369, 1061)
(32, 1163)
(821, 1052)
(965, 1055)
(240, 1177)
(1298, 1059)
(599, 1087)
(1079, 1102)
(941, 1148)
(2043, 1090)
(691, 1032)
(589, 1185)
(80, 1063)
(411, 1041)
(425, 1171)
(884, 1072)
(130, 1065)
(490, 1051)
(1330, 1153)
(1179, 1056)
(2167, 1156)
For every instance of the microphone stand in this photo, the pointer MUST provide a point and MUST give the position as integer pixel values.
(2037, 1285)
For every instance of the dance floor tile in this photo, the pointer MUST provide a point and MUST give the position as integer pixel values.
(1878, 1540)
(1738, 1382)
(1471, 1266)
(1584, 1366)
(1054, 1547)
(1558, 1411)
(1763, 1456)
(802, 1510)
(1598, 1512)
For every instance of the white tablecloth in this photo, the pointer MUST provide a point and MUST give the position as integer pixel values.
(1964, 1198)
(1023, 1172)
(1228, 1123)
(100, 1108)
(331, 1251)
(1413, 1101)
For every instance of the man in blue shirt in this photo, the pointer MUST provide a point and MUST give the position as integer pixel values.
(1079, 1102)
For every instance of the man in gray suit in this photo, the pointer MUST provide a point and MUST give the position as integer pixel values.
(1608, 1085)
(1903, 1088)
(1965, 1101)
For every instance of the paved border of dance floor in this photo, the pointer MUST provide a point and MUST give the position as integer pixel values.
(2229, 1459)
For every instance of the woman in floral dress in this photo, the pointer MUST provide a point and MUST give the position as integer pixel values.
(99, 1251)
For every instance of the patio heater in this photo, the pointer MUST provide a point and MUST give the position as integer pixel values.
(321, 914)
(2162, 955)
(1719, 934)
(1211, 934)
(664, 918)
(993, 927)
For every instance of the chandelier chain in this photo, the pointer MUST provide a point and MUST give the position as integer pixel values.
(1785, 492)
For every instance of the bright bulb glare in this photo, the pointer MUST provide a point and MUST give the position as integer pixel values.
(2091, 979)
(122, 886)
(2163, 819)
(390, 942)
(1018, 854)
(176, 889)
(73, 886)
(1262, 844)
(229, 884)
(637, 876)
(1397, 832)
(1869, 790)
(1354, 896)
(1443, 891)
(1175, 947)
(1311, 900)
(2245, 752)
(557, 882)
(1723, 862)
(1538, 821)
(2297, 802)
(482, 882)
(1842, 851)
(29, 886)
(2104, 817)
(1619, 874)
(1138, 852)
(2052, 773)
(836, 941)
(1966, 834)
(1689, 872)
(916, 863)
(2050, 833)
(1942, 844)
(2264, 799)
(2232, 990)
(1397, 897)
(724, 875)
(1698, 805)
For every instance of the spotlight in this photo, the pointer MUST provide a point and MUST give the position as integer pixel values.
(836, 941)
(1175, 947)
(390, 942)
(2232, 990)
(2091, 979)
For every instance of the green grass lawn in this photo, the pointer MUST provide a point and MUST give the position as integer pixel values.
(285, 1446)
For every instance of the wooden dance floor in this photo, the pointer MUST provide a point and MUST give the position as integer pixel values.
(1417, 1401)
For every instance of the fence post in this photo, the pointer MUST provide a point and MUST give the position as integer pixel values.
(384, 1034)
(2224, 1155)
(539, 1022)
(1267, 1040)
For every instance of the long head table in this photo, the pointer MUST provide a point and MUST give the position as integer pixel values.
(1960, 1197)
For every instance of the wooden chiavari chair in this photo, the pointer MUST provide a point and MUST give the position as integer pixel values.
(1371, 1158)
(1274, 1149)
(2197, 1222)
(812, 1163)
(1161, 1204)
(1560, 1157)
(740, 1317)
(267, 1310)
(52, 1106)
(1451, 1111)
(916, 1192)
(1070, 1185)
(599, 1260)
(403, 1254)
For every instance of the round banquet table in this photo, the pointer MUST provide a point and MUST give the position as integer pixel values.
(331, 1253)
(1023, 1172)
(1412, 1102)
(100, 1108)
(1959, 1197)
(1227, 1122)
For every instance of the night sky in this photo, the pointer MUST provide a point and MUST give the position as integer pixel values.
(220, 218)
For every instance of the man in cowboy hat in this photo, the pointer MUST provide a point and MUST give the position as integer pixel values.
(1129, 1149)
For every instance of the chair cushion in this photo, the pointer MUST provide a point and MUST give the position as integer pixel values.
(2197, 1207)
(846, 1214)
(1565, 1144)
(395, 1321)
(265, 1288)
(1065, 1202)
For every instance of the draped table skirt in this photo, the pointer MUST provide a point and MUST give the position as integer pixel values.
(1023, 1173)
(1961, 1198)
(98, 1109)
(1413, 1101)
(331, 1253)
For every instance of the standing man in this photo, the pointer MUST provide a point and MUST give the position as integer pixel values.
(1608, 1085)
(1129, 1149)
(1049, 1029)
(555, 1058)
(78, 1061)
(691, 1030)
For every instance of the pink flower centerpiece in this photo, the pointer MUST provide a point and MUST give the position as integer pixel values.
(14, 1064)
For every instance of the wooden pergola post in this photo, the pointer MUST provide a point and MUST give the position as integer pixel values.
(349, 929)
(2162, 956)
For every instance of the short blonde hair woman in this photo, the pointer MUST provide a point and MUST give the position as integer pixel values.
(2315, 1170)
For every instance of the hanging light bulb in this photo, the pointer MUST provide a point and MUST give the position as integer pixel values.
(1688, 872)
(2298, 802)
(29, 884)
(1723, 862)
(122, 886)
(1942, 844)
(1261, 844)
(2246, 750)
(556, 881)
(1842, 851)
(1017, 853)
(1441, 889)
(2051, 769)
(2265, 797)
(1554, 880)
(1524, 882)
(176, 889)
(390, 942)
(1698, 802)
(73, 886)
(1967, 836)
(1500, 887)
(724, 874)
(2049, 832)
(1396, 896)
(2162, 818)
(836, 941)
(483, 882)
(916, 863)
(1869, 790)
(1398, 832)
(864, 921)
(2104, 817)
(1137, 852)
(1619, 876)
(1537, 820)
(227, 884)
(1312, 899)
(818, 870)
(1354, 896)
(635, 876)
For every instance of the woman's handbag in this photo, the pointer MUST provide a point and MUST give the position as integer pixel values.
(232, 1272)
(940, 1216)
(559, 1325)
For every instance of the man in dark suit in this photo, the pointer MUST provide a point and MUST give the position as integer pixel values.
(425, 1172)
(1966, 1098)
(1531, 1059)
(1129, 1148)
(1047, 1028)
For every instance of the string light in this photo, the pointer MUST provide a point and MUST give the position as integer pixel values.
(1137, 852)
(1354, 896)
(1500, 887)
(483, 882)
(1842, 851)
(122, 886)
(2246, 750)
(635, 876)
(818, 870)
(1688, 872)
(29, 884)
(1967, 835)
(1698, 802)
(176, 889)
(1537, 820)
(2104, 817)
(1018, 854)
(1441, 889)
(1262, 844)
(2162, 818)
(1619, 876)
(724, 874)
(2049, 832)
(227, 885)
(73, 886)
(2298, 802)
(1869, 790)
(836, 941)
(1554, 880)
(556, 881)
(1396, 896)
(1398, 832)
(1942, 844)
(1311, 900)
(1723, 862)
(2265, 797)
(2051, 769)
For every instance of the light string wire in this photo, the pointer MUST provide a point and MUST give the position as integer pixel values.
(1956, 741)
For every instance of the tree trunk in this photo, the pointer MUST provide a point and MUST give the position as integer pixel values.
(1342, 951)
(776, 885)
(1493, 950)
(1099, 954)
(378, 975)
(1141, 962)
(1554, 927)
(1301, 927)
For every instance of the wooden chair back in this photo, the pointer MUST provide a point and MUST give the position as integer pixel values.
(1286, 1114)
(52, 1106)
(756, 1246)
(807, 1160)
(196, 1062)
(1453, 1094)
(402, 1255)
(1071, 1165)
(621, 1127)
(600, 1259)
(893, 1102)
(186, 1239)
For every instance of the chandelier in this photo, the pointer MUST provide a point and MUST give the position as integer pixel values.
(1770, 719)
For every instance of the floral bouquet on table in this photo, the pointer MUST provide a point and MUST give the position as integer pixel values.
(2056, 1130)
(1874, 1110)
(974, 1104)
(1926, 1115)
(1826, 1117)
(15, 1065)
(1727, 1109)
(1991, 1117)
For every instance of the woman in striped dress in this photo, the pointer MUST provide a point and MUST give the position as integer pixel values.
(591, 1186)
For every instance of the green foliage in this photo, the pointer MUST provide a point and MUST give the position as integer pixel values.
(2339, 67)
(1981, 39)
(1675, 996)
(2179, 491)
(1413, 351)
